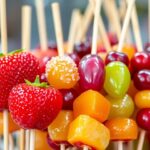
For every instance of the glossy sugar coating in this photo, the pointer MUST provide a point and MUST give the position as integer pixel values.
(121, 107)
(62, 72)
(85, 130)
(142, 99)
(92, 103)
(122, 129)
(58, 129)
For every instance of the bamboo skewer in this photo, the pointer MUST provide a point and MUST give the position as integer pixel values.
(41, 24)
(120, 145)
(87, 18)
(125, 25)
(95, 26)
(4, 50)
(32, 139)
(75, 20)
(141, 140)
(59, 36)
(26, 27)
(26, 38)
(58, 28)
(136, 28)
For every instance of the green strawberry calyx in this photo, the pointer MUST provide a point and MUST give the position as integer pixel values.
(37, 83)
(2, 55)
(16, 51)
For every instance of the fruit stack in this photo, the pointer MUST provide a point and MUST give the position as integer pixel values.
(77, 95)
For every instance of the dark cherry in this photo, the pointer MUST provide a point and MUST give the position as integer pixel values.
(75, 57)
(141, 60)
(91, 72)
(147, 47)
(82, 48)
(117, 56)
(112, 39)
(141, 80)
(143, 119)
(56, 145)
(68, 98)
(101, 49)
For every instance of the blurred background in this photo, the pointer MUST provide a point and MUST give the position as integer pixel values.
(14, 19)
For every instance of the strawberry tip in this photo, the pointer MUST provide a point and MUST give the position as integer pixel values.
(37, 83)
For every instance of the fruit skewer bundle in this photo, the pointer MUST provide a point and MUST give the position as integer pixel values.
(83, 101)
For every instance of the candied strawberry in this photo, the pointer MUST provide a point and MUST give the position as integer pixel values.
(34, 105)
(14, 68)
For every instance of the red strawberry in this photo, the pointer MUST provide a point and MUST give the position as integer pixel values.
(14, 69)
(34, 105)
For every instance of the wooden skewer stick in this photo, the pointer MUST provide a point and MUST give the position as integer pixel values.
(120, 145)
(62, 147)
(27, 139)
(136, 28)
(41, 24)
(26, 38)
(4, 50)
(95, 26)
(115, 17)
(26, 27)
(11, 142)
(149, 20)
(102, 30)
(125, 25)
(22, 139)
(3, 26)
(75, 20)
(32, 139)
(85, 147)
(58, 28)
(59, 36)
(141, 140)
(86, 20)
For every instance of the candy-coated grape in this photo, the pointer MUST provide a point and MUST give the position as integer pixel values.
(62, 72)
(91, 72)
(113, 39)
(116, 56)
(69, 96)
(141, 60)
(75, 58)
(121, 107)
(142, 80)
(143, 119)
(147, 47)
(122, 129)
(82, 48)
(117, 79)
(142, 99)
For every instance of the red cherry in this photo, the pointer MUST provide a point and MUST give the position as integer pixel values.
(140, 60)
(82, 48)
(75, 58)
(143, 119)
(147, 47)
(68, 98)
(91, 72)
(142, 80)
(116, 56)
(113, 39)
